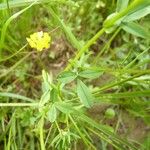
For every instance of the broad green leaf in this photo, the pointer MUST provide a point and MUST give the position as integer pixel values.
(67, 77)
(47, 80)
(137, 15)
(52, 113)
(135, 29)
(54, 95)
(47, 77)
(66, 108)
(90, 74)
(84, 94)
(45, 97)
(139, 5)
(122, 4)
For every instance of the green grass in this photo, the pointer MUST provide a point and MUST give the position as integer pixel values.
(90, 89)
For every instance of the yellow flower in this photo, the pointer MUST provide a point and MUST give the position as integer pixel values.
(39, 40)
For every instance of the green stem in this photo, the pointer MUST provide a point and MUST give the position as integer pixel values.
(85, 48)
(118, 83)
(15, 65)
(133, 61)
(41, 134)
(49, 134)
(82, 136)
(124, 94)
(58, 127)
(104, 138)
(110, 22)
(9, 139)
(74, 41)
(111, 85)
(106, 46)
(22, 48)
(66, 29)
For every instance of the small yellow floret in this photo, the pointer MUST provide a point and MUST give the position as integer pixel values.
(39, 40)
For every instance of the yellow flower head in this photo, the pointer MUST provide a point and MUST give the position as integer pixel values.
(39, 40)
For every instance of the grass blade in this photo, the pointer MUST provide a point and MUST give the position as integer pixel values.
(135, 29)
(16, 96)
(5, 26)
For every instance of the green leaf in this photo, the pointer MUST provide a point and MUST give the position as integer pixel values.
(125, 94)
(7, 23)
(52, 113)
(146, 142)
(67, 77)
(22, 3)
(46, 77)
(90, 74)
(84, 94)
(113, 138)
(16, 3)
(74, 41)
(47, 81)
(15, 96)
(122, 4)
(54, 95)
(137, 15)
(66, 108)
(140, 4)
(135, 29)
(135, 6)
(45, 97)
